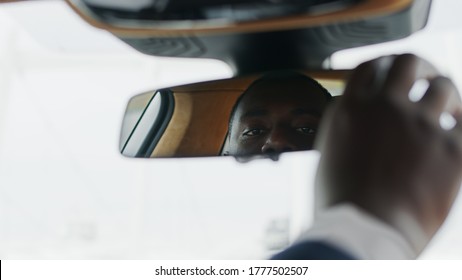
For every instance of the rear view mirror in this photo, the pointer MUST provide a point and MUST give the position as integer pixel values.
(215, 118)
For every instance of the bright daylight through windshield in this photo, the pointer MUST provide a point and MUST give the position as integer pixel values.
(66, 192)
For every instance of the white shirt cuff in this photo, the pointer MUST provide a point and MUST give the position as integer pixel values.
(351, 229)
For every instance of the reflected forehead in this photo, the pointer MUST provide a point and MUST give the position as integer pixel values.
(295, 111)
(296, 100)
(254, 113)
(287, 90)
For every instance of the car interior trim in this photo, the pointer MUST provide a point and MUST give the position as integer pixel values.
(158, 128)
(364, 9)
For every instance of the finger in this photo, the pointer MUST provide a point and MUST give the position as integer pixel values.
(457, 115)
(406, 69)
(327, 122)
(441, 96)
(454, 139)
(363, 78)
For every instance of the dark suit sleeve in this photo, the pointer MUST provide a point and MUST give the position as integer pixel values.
(313, 250)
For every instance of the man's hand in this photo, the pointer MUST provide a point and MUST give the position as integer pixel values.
(389, 155)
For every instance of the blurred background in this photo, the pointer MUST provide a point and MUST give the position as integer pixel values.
(67, 193)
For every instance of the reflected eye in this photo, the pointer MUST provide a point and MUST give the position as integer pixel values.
(306, 130)
(253, 132)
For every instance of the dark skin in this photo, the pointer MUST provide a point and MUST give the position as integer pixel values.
(389, 155)
(275, 117)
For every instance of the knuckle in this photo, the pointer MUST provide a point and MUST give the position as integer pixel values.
(368, 66)
(426, 125)
(407, 58)
(407, 61)
(442, 82)
(375, 64)
(454, 148)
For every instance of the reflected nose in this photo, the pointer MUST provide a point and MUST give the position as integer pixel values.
(277, 142)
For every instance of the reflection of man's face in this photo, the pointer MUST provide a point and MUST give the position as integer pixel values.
(275, 117)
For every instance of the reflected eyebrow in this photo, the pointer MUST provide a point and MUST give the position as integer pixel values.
(255, 113)
(304, 111)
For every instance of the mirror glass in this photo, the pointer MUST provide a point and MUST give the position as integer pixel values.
(247, 117)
